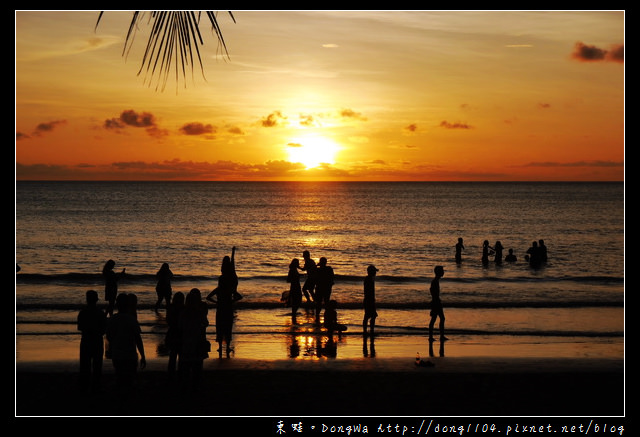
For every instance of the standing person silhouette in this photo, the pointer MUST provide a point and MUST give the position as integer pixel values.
(437, 310)
(497, 248)
(193, 328)
(486, 251)
(125, 341)
(92, 322)
(369, 303)
(163, 287)
(459, 249)
(310, 268)
(173, 338)
(111, 279)
(324, 285)
(226, 293)
(295, 291)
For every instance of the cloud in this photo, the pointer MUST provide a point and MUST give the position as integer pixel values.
(350, 113)
(174, 169)
(132, 118)
(575, 164)
(235, 130)
(457, 125)
(544, 105)
(586, 53)
(273, 119)
(411, 128)
(41, 129)
(307, 120)
(197, 128)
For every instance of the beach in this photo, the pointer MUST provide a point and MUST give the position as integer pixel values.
(387, 385)
(537, 343)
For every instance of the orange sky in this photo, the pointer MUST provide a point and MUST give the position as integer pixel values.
(328, 95)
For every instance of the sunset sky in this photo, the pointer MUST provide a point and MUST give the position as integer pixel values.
(327, 95)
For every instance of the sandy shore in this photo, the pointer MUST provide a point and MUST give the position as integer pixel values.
(453, 386)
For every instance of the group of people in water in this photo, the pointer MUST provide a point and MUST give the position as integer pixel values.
(536, 255)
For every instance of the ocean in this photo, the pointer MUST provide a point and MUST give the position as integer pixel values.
(66, 231)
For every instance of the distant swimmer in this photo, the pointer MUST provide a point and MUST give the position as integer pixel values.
(510, 257)
(459, 248)
(486, 252)
(497, 248)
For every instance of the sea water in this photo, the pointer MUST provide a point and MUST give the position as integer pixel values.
(66, 231)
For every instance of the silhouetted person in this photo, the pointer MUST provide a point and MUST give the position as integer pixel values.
(511, 257)
(125, 342)
(310, 268)
(441, 351)
(163, 287)
(543, 251)
(324, 285)
(226, 293)
(111, 279)
(92, 322)
(459, 249)
(437, 310)
(497, 248)
(132, 305)
(173, 338)
(369, 303)
(486, 251)
(295, 290)
(368, 350)
(194, 347)
(533, 255)
(331, 320)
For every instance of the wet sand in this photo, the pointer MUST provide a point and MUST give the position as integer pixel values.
(385, 385)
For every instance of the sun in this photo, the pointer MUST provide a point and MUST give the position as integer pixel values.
(312, 151)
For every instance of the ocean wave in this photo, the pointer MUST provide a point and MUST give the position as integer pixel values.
(96, 278)
(380, 305)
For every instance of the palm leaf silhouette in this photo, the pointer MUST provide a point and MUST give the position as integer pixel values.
(173, 44)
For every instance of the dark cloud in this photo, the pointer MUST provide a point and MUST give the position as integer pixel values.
(48, 127)
(235, 130)
(457, 125)
(587, 53)
(272, 119)
(350, 113)
(197, 128)
(132, 118)
(412, 127)
(307, 120)
(616, 53)
(544, 105)
(575, 164)
(41, 129)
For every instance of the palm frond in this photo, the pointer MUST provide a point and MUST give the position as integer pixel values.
(174, 43)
